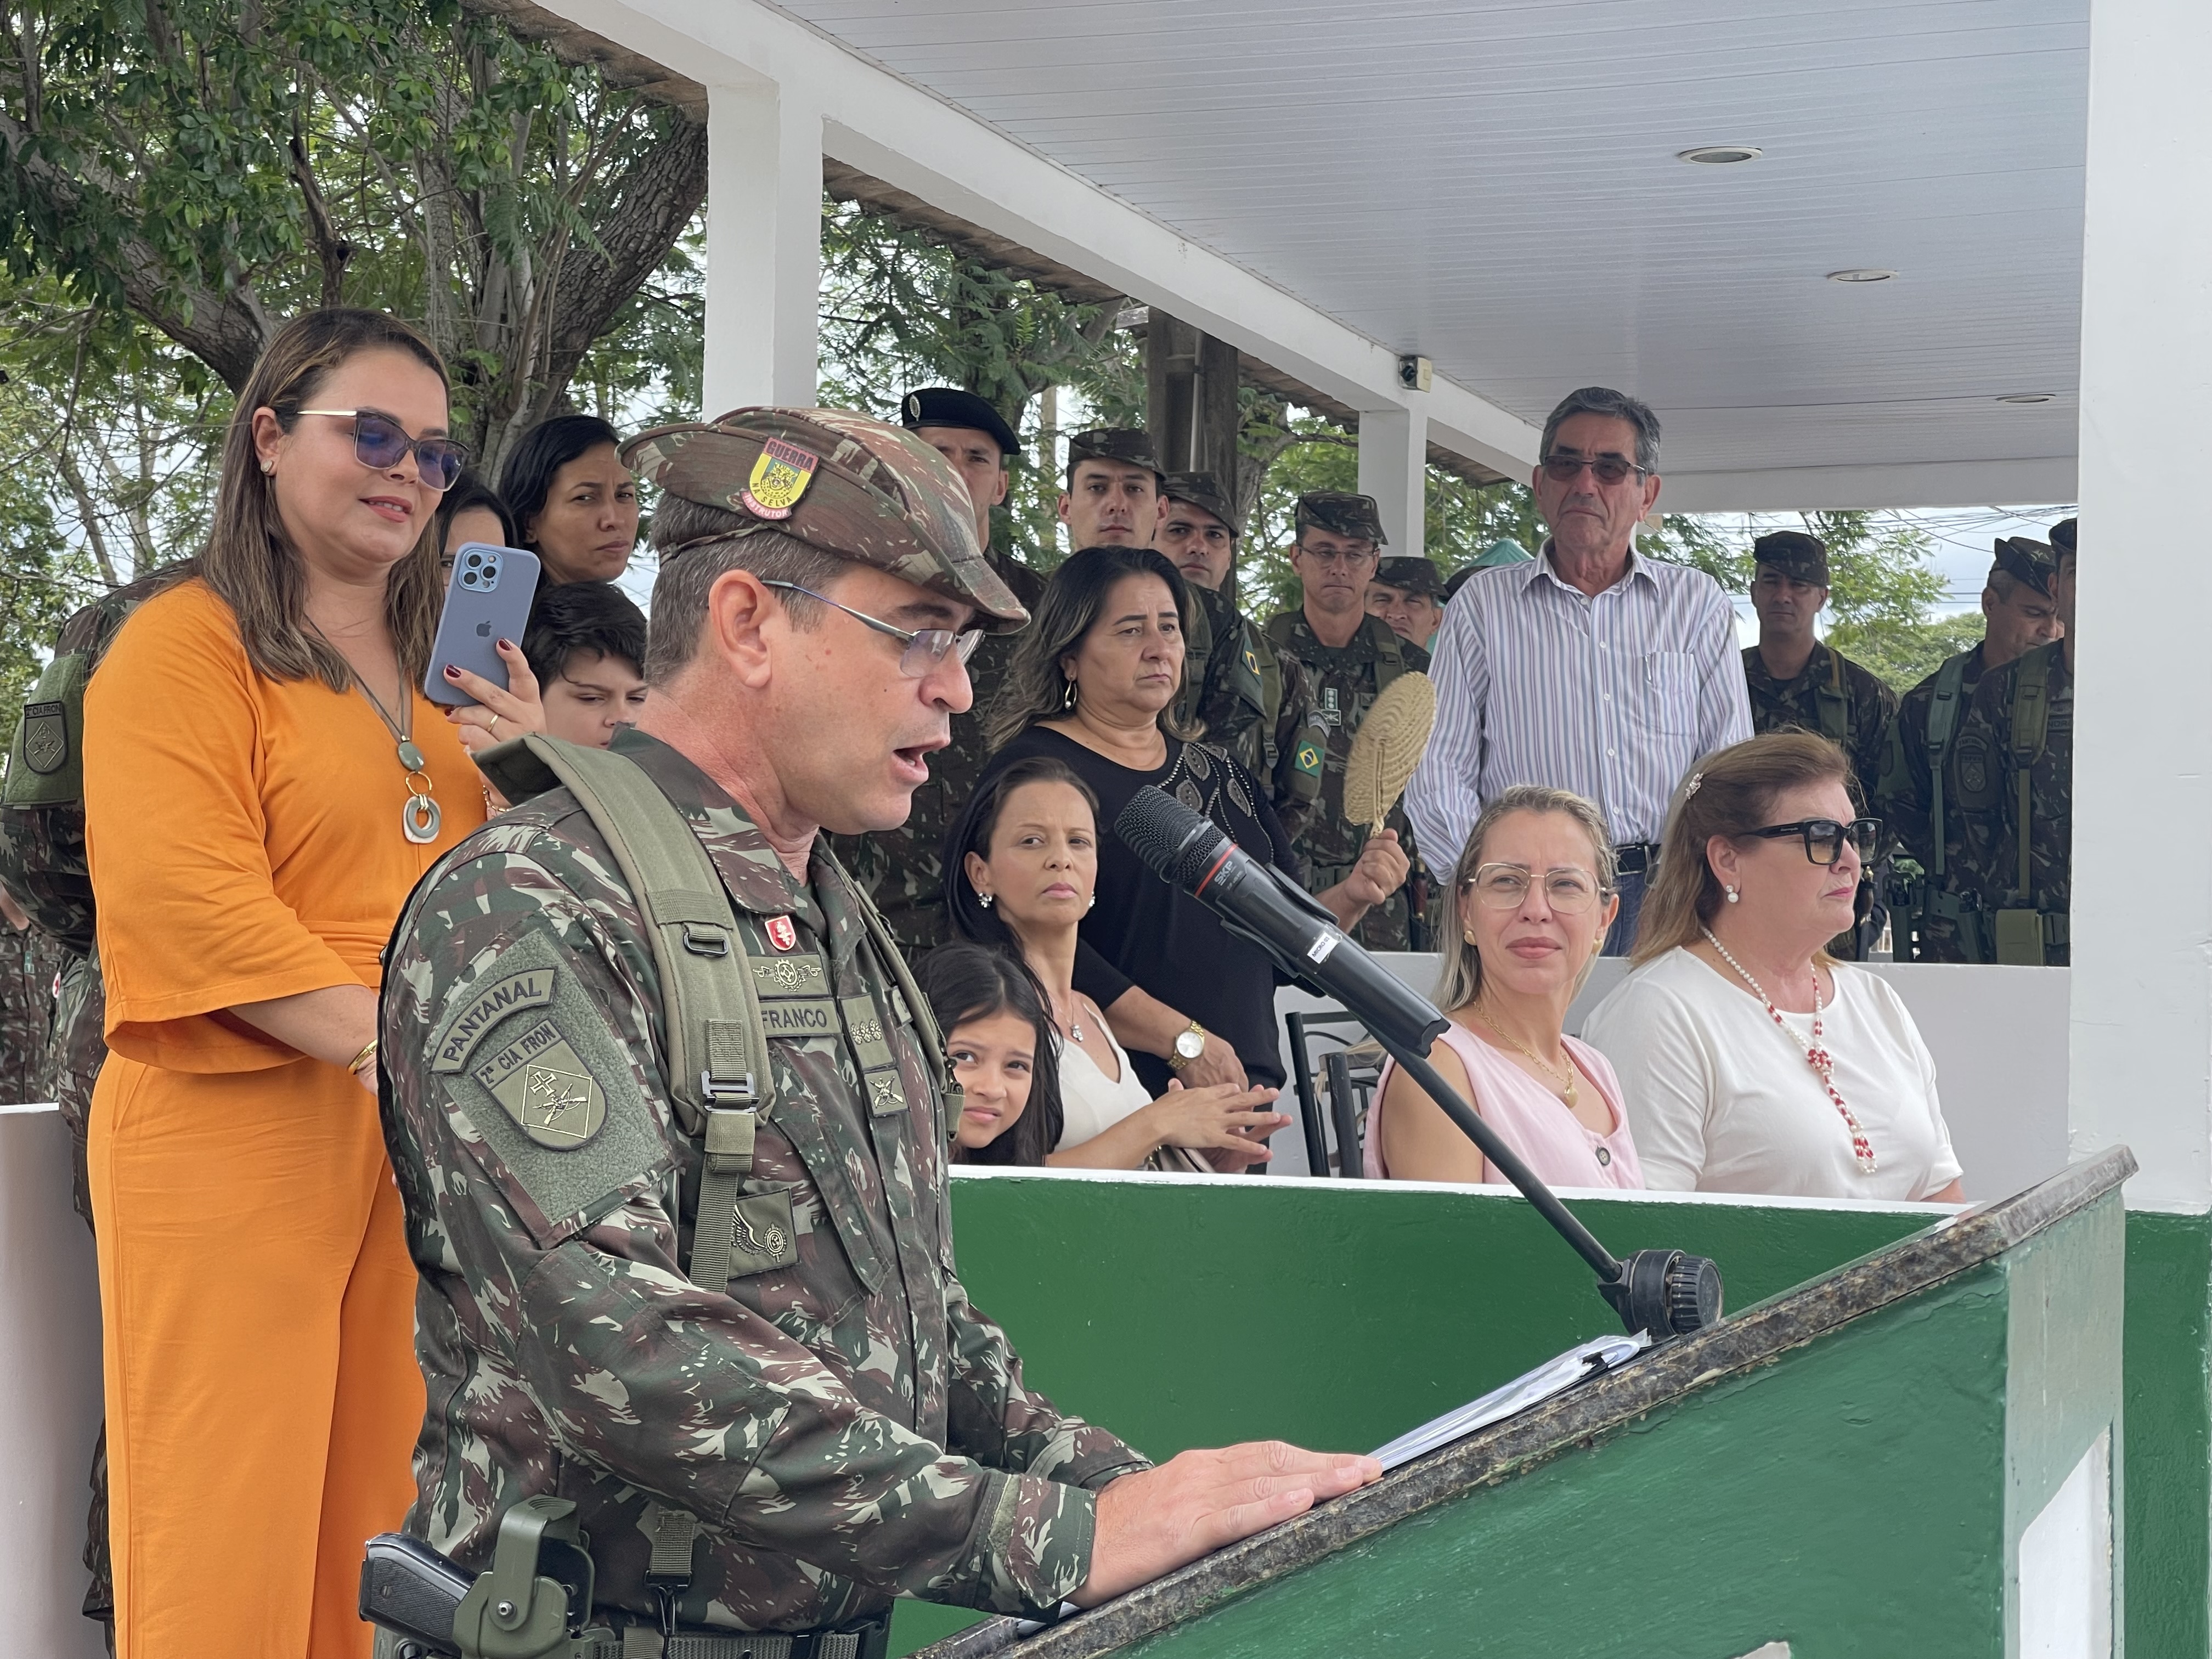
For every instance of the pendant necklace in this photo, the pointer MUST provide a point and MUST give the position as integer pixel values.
(1569, 1097)
(1817, 1057)
(1074, 1021)
(419, 818)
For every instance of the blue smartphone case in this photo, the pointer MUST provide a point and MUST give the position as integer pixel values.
(487, 600)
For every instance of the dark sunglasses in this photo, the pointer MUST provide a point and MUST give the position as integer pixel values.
(379, 441)
(1606, 469)
(1824, 837)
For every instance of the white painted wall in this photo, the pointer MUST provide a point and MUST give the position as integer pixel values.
(2066, 1566)
(50, 1389)
(1999, 1036)
(2142, 1062)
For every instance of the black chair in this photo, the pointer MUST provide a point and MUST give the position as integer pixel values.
(1348, 1079)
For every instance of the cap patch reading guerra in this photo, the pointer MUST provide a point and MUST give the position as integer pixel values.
(780, 477)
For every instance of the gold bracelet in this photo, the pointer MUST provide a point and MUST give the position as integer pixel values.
(367, 1055)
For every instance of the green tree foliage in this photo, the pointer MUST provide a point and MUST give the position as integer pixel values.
(212, 167)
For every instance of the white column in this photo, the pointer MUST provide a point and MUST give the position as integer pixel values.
(1394, 455)
(2141, 1048)
(763, 246)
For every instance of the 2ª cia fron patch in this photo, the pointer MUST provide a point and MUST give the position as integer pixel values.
(545, 1088)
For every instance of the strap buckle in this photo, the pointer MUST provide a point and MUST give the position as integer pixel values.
(702, 941)
(740, 1088)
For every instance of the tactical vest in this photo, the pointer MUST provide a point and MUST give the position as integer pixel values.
(718, 1076)
(2022, 934)
(1389, 661)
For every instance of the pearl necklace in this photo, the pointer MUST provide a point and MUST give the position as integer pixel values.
(1817, 1057)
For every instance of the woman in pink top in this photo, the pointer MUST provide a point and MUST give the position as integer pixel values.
(1536, 893)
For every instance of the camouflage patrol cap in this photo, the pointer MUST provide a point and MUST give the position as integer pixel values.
(2026, 561)
(1341, 513)
(1200, 490)
(1800, 558)
(2062, 536)
(1411, 574)
(849, 485)
(1124, 444)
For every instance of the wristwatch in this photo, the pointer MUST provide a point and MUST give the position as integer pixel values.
(1188, 1046)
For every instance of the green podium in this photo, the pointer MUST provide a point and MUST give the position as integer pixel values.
(1918, 1453)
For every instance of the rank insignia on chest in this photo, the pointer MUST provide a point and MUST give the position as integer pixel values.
(779, 478)
(545, 1088)
(1331, 714)
(782, 934)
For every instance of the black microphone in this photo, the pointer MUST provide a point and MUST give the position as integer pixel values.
(1664, 1291)
(1261, 905)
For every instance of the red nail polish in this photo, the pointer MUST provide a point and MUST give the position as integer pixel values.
(451, 672)
(507, 644)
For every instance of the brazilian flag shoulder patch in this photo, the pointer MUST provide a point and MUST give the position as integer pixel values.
(1308, 759)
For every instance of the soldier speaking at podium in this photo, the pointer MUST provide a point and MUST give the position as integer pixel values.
(667, 1113)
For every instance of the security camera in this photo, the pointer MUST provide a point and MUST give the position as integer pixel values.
(1414, 373)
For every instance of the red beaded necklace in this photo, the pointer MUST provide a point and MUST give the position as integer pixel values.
(1817, 1057)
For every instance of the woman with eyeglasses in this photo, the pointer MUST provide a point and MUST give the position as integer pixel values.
(264, 782)
(1535, 895)
(1753, 1061)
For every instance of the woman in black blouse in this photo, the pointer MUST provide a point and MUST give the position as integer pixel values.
(1092, 685)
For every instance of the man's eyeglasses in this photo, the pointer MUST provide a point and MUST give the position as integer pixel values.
(1824, 837)
(925, 648)
(379, 441)
(1503, 886)
(1606, 469)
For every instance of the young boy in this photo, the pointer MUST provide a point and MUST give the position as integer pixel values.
(586, 643)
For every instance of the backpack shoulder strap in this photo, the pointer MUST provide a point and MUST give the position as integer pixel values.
(1834, 701)
(918, 1008)
(1943, 721)
(719, 1075)
(2031, 725)
(1389, 661)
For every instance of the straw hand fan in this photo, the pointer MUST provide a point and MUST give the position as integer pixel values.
(1388, 747)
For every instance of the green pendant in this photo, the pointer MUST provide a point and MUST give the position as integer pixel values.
(409, 755)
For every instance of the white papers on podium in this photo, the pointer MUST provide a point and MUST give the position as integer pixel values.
(1553, 1376)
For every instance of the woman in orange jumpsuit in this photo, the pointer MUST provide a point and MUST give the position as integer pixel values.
(263, 784)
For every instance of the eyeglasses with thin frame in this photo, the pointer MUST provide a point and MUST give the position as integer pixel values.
(1606, 469)
(925, 648)
(1568, 890)
(1824, 837)
(378, 441)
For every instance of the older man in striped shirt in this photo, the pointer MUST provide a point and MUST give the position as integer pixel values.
(1588, 668)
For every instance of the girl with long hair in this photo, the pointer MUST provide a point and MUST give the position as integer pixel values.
(1000, 1043)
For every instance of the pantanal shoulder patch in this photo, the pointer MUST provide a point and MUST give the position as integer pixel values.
(543, 1094)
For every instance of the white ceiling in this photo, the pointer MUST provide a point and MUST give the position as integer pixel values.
(1492, 184)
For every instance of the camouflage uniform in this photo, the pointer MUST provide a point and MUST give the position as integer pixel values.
(1938, 915)
(843, 1424)
(903, 869)
(43, 866)
(1986, 770)
(1253, 700)
(30, 963)
(1348, 680)
(1832, 695)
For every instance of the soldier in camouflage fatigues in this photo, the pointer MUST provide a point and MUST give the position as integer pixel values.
(2012, 772)
(830, 1414)
(902, 869)
(1256, 701)
(1347, 679)
(30, 963)
(43, 867)
(1936, 913)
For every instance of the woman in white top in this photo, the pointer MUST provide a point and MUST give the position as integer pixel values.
(1031, 866)
(1752, 1061)
(1534, 890)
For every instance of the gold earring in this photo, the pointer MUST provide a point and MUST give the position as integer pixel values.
(1467, 934)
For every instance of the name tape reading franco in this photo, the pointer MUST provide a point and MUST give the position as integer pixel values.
(487, 1007)
(800, 1016)
(545, 1088)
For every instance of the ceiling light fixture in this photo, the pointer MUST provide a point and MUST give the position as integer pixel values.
(2028, 397)
(1862, 274)
(1719, 156)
